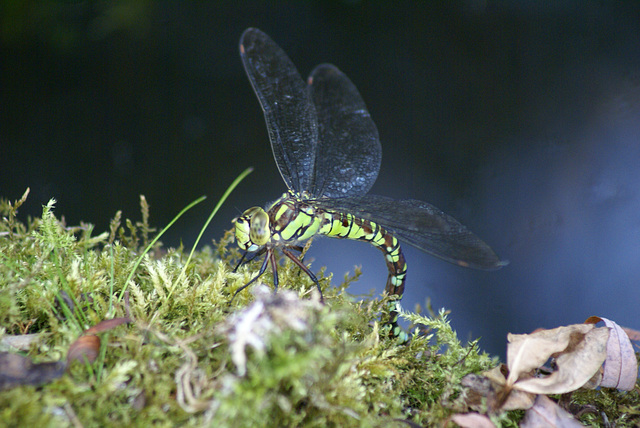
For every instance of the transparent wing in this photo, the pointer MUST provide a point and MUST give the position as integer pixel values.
(348, 153)
(288, 111)
(423, 226)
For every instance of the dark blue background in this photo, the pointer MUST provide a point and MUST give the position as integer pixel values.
(521, 119)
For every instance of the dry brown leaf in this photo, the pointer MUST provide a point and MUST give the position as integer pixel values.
(518, 400)
(506, 397)
(578, 351)
(16, 370)
(498, 374)
(583, 350)
(546, 413)
(621, 365)
(480, 393)
(595, 381)
(472, 420)
(86, 347)
(107, 325)
(489, 393)
(526, 352)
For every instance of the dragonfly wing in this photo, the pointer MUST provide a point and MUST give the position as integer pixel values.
(288, 110)
(423, 226)
(348, 153)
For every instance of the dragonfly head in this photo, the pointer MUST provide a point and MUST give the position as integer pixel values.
(252, 229)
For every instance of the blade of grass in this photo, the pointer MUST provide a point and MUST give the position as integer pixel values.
(187, 208)
(146, 250)
(206, 224)
(111, 281)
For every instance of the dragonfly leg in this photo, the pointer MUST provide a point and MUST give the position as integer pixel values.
(263, 268)
(245, 259)
(274, 269)
(305, 269)
(301, 250)
(235, 269)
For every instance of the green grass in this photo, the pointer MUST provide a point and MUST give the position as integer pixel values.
(191, 358)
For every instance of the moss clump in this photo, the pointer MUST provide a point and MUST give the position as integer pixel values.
(189, 357)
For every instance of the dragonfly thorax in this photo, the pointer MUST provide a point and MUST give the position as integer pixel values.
(289, 221)
(252, 229)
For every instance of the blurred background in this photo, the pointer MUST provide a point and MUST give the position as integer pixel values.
(521, 119)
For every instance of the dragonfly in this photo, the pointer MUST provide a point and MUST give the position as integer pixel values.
(328, 152)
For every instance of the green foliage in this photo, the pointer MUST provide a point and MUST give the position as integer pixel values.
(620, 407)
(190, 357)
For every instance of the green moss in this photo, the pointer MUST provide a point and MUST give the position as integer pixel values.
(190, 357)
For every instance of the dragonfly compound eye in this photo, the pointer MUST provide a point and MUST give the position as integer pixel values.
(243, 229)
(259, 232)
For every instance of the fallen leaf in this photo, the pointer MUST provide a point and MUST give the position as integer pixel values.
(578, 352)
(480, 394)
(526, 352)
(85, 347)
(107, 325)
(472, 420)
(546, 413)
(16, 370)
(584, 352)
(502, 396)
(595, 381)
(620, 365)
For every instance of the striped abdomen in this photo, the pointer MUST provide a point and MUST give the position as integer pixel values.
(294, 221)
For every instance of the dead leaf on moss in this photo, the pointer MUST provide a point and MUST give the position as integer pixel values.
(579, 351)
(85, 347)
(472, 420)
(509, 398)
(620, 365)
(16, 370)
(480, 394)
(489, 394)
(546, 413)
(107, 325)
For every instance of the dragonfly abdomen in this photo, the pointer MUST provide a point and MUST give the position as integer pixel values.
(348, 226)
